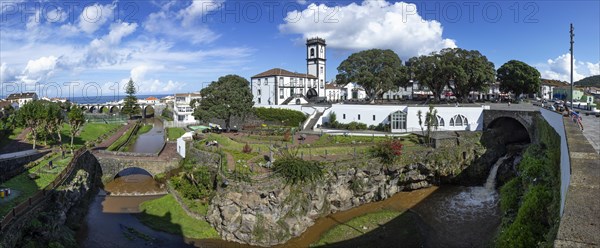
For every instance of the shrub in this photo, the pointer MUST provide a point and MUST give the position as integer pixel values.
(388, 152)
(295, 170)
(286, 136)
(247, 148)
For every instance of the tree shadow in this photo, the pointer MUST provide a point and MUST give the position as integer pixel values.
(402, 231)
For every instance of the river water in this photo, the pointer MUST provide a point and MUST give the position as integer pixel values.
(447, 216)
(152, 141)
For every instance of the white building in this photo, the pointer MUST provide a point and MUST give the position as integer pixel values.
(353, 91)
(282, 87)
(22, 98)
(333, 92)
(149, 100)
(182, 109)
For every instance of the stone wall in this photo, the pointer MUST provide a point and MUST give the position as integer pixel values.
(111, 166)
(61, 212)
(9, 168)
(268, 212)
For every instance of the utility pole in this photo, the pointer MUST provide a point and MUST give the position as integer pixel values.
(572, 35)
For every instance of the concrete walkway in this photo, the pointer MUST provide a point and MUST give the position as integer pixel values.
(591, 130)
(580, 223)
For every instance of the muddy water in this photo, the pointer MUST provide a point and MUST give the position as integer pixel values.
(152, 141)
(136, 184)
(398, 202)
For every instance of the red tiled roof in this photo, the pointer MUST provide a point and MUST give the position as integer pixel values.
(332, 87)
(282, 72)
(151, 98)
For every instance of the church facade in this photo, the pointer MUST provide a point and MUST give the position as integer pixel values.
(282, 87)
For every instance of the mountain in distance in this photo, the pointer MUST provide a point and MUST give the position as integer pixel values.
(591, 81)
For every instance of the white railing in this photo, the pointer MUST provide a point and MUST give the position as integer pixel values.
(310, 117)
(179, 123)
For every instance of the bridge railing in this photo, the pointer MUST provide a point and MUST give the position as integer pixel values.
(41, 195)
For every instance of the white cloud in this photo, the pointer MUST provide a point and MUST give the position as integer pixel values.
(144, 78)
(197, 9)
(179, 25)
(7, 74)
(372, 24)
(560, 68)
(94, 16)
(39, 69)
(301, 2)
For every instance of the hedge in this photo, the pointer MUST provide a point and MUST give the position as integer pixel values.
(284, 116)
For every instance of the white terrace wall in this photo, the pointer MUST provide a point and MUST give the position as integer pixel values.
(368, 114)
(474, 117)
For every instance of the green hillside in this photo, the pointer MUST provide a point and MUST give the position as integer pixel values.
(592, 81)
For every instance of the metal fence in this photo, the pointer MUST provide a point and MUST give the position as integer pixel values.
(41, 195)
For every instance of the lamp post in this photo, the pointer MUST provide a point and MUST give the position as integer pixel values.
(572, 35)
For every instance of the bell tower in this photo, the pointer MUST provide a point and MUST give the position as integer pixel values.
(315, 62)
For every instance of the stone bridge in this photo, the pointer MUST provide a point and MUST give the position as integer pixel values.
(515, 125)
(113, 108)
(111, 165)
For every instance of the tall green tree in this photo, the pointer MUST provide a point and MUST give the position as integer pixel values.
(429, 71)
(519, 78)
(225, 98)
(32, 116)
(53, 120)
(130, 103)
(76, 121)
(376, 70)
(465, 71)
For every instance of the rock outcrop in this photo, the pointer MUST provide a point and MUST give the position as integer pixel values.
(269, 213)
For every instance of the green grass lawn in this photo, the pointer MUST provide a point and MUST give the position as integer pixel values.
(144, 129)
(89, 132)
(12, 135)
(28, 187)
(327, 140)
(165, 214)
(121, 141)
(173, 133)
(357, 227)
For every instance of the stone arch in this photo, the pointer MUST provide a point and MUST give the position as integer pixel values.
(92, 109)
(511, 130)
(149, 111)
(311, 93)
(132, 171)
(84, 108)
(114, 110)
(104, 110)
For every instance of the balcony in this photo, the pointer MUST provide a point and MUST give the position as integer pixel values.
(291, 85)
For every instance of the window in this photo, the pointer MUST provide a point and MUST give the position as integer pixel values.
(373, 117)
(312, 52)
(258, 92)
(266, 81)
(398, 120)
(437, 122)
(321, 69)
(458, 120)
(259, 100)
(344, 116)
(359, 117)
(280, 93)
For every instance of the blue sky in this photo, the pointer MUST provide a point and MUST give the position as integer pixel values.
(94, 47)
